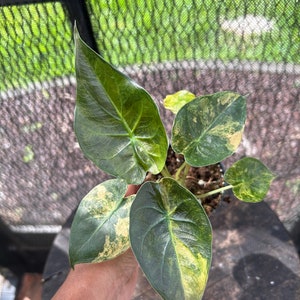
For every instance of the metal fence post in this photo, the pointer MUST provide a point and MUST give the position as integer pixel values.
(78, 12)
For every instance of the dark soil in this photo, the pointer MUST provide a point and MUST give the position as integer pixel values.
(198, 180)
(43, 174)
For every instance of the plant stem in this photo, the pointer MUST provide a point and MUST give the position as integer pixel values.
(165, 172)
(185, 169)
(179, 170)
(220, 190)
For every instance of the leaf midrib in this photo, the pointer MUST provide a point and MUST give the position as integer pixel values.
(117, 207)
(197, 141)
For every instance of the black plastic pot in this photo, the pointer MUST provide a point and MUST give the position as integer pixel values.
(253, 257)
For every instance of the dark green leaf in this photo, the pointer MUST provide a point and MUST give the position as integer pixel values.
(171, 238)
(250, 179)
(117, 123)
(209, 128)
(100, 228)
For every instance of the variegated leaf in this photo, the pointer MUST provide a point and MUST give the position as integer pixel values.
(209, 128)
(100, 229)
(171, 237)
(250, 179)
(175, 101)
(117, 123)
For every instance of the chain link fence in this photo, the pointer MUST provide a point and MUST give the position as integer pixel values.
(252, 47)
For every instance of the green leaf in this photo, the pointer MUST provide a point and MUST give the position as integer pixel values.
(209, 128)
(175, 101)
(28, 154)
(250, 179)
(117, 123)
(100, 229)
(171, 238)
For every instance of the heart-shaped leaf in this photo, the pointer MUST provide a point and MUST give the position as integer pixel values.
(171, 238)
(175, 101)
(209, 128)
(117, 123)
(100, 229)
(250, 179)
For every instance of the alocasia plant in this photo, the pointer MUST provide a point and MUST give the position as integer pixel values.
(118, 127)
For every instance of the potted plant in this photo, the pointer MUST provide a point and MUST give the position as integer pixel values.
(118, 127)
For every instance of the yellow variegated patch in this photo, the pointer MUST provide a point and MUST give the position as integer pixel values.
(100, 229)
(209, 128)
(105, 202)
(171, 237)
(250, 179)
(194, 269)
(175, 101)
(235, 140)
(115, 119)
(226, 98)
(228, 131)
(113, 248)
(122, 227)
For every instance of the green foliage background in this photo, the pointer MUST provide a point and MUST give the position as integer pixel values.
(176, 30)
(36, 40)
